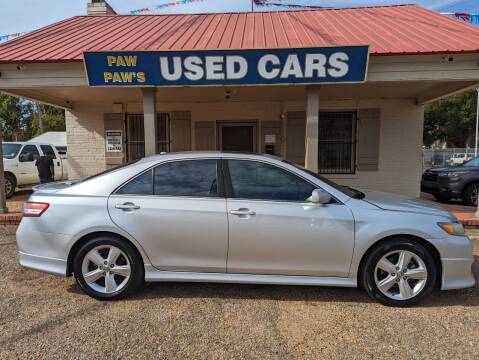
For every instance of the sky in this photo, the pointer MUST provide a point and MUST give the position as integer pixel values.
(26, 15)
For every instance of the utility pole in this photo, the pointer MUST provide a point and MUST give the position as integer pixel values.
(40, 116)
(477, 123)
(3, 199)
(477, 133)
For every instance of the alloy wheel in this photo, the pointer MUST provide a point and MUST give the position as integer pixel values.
(106, 269)
(474, 195)
(400, 275)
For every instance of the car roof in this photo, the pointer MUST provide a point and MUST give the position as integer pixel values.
(26, 143)
(205, 154)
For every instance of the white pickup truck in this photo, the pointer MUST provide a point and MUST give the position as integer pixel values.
(19, 164)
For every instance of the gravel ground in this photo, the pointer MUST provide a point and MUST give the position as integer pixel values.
(43, 316)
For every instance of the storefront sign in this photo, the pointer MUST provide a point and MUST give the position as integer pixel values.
(227, 67)
(113, 141)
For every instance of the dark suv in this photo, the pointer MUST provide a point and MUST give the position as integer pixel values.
(459, 182)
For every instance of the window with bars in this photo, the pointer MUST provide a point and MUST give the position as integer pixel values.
(135, 135)
(337, 143)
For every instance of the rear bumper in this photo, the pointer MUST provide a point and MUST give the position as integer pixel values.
(43, 251)
(42, 263)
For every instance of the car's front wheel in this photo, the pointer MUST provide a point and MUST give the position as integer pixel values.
(471, 194)
(108, 268)
(399, 272)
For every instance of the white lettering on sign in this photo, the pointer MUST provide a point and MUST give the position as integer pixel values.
(269, 67)
(165, 68)
(214, 68)
(315, 63)
(292, 67)
(236, 67)
(193, 69)
(114, 141)
(339, 64)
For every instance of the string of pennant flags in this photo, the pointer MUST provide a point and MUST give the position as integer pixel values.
(471, 18)
(10, 36)
(284, 4)
(163, 6)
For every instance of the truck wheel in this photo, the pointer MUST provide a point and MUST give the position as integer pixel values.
(10, 185)
(470, 195)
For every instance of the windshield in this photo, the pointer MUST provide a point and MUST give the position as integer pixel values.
(349, 191)
(10, 151)
(473, 162)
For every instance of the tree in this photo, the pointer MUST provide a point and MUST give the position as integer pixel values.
(53, 119)
(19, 118)
(15, 118)
(451, 120)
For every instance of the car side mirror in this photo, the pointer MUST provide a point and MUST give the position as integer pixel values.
(319, 196)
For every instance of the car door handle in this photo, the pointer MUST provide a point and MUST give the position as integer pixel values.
(242, 211)
(127, 206)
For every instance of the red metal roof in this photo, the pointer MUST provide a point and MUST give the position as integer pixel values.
(397, 29)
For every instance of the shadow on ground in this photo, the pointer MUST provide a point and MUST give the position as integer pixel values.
(311, 294)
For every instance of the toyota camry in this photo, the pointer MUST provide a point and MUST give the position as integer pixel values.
(239, 218)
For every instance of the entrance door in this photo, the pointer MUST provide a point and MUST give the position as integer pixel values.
(238, 137)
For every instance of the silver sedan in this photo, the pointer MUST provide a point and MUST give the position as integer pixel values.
(219, 217)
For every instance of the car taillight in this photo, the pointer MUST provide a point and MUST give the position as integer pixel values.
(34, 209)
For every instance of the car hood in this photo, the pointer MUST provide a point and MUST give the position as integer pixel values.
(53, 186)
(453, 168)
(394, 202)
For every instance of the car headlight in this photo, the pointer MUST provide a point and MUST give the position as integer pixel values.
(454, 174)
(452, 228)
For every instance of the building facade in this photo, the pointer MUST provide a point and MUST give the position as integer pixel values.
(365, 134)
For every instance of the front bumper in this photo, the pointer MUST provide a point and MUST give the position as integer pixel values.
(456, 260)
(442, 188)
(457, 273)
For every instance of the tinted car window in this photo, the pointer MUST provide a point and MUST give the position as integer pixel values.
(141, 185)
(29, 153)
(48, 150)
(186, 178)
(256, 180)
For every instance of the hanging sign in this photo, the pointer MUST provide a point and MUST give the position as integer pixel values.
(227, 67)
(113, 141)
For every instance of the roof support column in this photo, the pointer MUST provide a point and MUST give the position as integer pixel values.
(312, 128)
(149, 118)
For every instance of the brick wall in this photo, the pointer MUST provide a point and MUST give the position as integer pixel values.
(86, 145)
(399, 144)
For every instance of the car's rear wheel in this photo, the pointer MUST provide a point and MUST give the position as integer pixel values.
(10, 185)
(399, 272)
(108, 268)
(471, 194)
